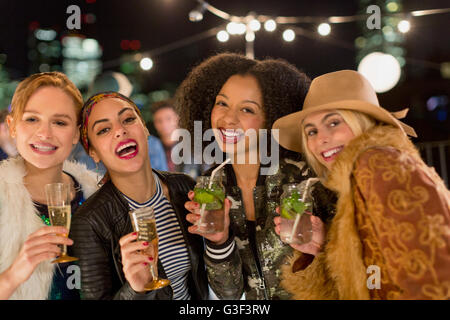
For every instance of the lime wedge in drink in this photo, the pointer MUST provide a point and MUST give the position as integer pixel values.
(203, 196)
(285, 213)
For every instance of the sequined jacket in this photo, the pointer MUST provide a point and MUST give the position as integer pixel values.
(238, 272)
(390, 238)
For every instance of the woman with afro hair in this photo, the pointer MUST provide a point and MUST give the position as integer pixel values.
(232, 95)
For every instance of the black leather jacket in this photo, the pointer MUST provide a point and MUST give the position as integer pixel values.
(103, 219)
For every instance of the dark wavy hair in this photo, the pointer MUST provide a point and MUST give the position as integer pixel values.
(282, 85)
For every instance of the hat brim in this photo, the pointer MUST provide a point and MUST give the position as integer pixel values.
(290, 129)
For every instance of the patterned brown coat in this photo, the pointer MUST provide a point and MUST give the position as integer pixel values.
(393, 213)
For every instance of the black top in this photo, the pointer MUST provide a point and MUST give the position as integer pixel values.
(97, 228)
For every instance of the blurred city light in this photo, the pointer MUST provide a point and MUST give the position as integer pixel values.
(45, 35)
(404, 26)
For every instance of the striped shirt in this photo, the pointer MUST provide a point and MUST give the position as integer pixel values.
(172, 249)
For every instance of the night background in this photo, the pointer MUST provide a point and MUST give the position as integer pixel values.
(128, 30)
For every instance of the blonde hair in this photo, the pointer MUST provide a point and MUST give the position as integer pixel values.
(357, 121)
(30, 85)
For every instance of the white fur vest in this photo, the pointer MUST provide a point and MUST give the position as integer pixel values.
(19, 218)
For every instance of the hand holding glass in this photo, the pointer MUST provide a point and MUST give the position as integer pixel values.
(59, 211)
(143, 221)
(296, 200)
(210, 196)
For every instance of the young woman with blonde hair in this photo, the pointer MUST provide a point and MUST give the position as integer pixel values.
(44, 120)
(390, 238)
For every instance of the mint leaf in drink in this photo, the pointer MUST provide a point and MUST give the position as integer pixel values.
(203, 196)
(299, 207)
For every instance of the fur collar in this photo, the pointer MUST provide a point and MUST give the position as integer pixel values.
(344, 249)
(18, 219)
(379, 136)
(339, 272)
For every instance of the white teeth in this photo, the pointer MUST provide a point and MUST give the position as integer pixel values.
(43, 148)
(130, 144)
(329, 153)
(126, 154)
(230, 133)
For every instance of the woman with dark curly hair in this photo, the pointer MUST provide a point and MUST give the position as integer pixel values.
(233, 94)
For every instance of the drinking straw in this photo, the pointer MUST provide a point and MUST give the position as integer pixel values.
(211, 179)
(298, 216)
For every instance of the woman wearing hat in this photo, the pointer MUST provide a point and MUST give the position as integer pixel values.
(390, 238)
(113, 131)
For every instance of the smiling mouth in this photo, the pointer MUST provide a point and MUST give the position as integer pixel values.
(127, 149)
(331, 153)
(231, 136)
(43, 148)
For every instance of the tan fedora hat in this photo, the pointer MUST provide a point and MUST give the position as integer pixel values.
(345, 89)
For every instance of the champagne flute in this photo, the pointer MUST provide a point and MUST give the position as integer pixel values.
(59, 211)
(143, 221)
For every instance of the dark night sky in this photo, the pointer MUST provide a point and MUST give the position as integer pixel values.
(159, 22)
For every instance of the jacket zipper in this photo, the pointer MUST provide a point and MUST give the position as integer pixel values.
(261, 281)
(262, 284)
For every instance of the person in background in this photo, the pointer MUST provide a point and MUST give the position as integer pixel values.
(390, 237)
(7, 144)
(165, 120)
(44, 120)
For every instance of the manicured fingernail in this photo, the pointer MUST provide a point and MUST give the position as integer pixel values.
(145, 264)
(150, 259)
(145, 243)
(134, 233)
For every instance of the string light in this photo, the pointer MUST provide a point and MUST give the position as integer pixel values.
(146, 64)
(324, 29)
(196, 15)
(231, 27)
(289, 35)
(236, 28)
(255, 25)
(270, 25)
(223, 36)
(250, 36)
